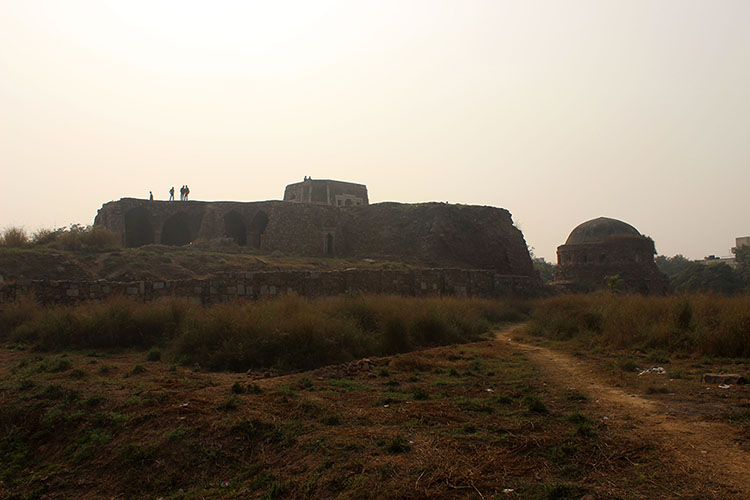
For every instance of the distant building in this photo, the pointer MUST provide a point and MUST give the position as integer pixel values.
(742, 241)
(713, 259)
(605, 247)
(730, 260)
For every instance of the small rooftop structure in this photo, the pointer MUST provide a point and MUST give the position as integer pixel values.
(327, 192)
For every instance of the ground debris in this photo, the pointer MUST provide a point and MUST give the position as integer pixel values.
(724, 378)
(658, 370)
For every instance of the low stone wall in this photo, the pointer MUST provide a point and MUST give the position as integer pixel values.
(255, 285)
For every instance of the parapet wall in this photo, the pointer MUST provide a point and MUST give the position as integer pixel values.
(256, 285)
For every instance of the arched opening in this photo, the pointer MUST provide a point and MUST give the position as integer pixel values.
(138, 230)
(257, 228)
(176, 230)
(235, 228)
(329, 244)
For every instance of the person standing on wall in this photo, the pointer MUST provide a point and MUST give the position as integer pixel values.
(150, 196)
(187, 192)
(171, 194)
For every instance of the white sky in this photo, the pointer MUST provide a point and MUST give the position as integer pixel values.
(559, 111)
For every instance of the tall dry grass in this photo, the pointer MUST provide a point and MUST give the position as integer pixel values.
(697, 323)
(14, 237)
(288, 333)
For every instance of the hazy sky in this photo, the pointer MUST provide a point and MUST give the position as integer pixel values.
(559, 111)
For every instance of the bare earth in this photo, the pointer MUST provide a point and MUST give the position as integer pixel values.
(699, 447)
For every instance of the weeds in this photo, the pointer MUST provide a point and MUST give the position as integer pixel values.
(228, 404)
(396, 445)
(289, 333)
(14, 237)
(702, 324)
(535, 405)
(154, 354)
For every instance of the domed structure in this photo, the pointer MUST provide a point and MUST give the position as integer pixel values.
(598, 230)
(604, 247)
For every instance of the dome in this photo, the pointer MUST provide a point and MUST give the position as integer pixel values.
(600, 229)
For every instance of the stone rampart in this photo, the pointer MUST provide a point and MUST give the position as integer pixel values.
(437, 235)
(256, 285)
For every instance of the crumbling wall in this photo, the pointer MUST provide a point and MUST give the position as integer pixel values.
(255, 285)
(425, 234)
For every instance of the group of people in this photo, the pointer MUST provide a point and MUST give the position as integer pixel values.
(184, 192)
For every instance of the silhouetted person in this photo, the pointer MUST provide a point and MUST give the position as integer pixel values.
(182, 193)
(187, 192)
(171, 194)
(150, 196)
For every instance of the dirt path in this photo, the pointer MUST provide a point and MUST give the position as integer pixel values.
(698, 447)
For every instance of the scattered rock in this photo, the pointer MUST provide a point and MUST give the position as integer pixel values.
(658, 370)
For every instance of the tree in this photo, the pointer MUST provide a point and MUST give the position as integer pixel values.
(544, 268)
(672, 266)
(697, 277)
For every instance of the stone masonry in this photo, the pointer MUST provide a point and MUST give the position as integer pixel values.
(255, 285)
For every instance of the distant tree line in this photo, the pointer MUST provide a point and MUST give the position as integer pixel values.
(689, 276)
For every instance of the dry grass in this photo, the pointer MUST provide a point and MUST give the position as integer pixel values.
(289, 333)
(14, 237)
(698, 323)
(176, 433)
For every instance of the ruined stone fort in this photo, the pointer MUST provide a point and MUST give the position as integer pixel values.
(320, 218)
(451, 249)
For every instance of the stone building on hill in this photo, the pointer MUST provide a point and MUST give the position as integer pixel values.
(605, 247)
(330, 218)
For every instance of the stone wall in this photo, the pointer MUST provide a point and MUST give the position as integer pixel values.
(255, 285)
(424, 234)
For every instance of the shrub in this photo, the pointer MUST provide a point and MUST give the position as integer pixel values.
(397, 444)
(535, 405)
(78, 237)
(45, 236)
(153, 354)
(14, 237)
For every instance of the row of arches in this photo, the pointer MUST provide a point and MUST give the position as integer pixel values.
(178, 230)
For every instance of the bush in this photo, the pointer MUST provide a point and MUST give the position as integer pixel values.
(14, 237)
(154, 354)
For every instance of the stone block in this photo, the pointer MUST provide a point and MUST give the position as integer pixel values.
(72, 292)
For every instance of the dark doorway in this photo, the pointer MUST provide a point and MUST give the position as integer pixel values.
(329, 244)
(176, 230)
(138, 230)
(257, 228)
(235, 228)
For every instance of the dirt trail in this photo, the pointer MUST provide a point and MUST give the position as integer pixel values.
(698, 447)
